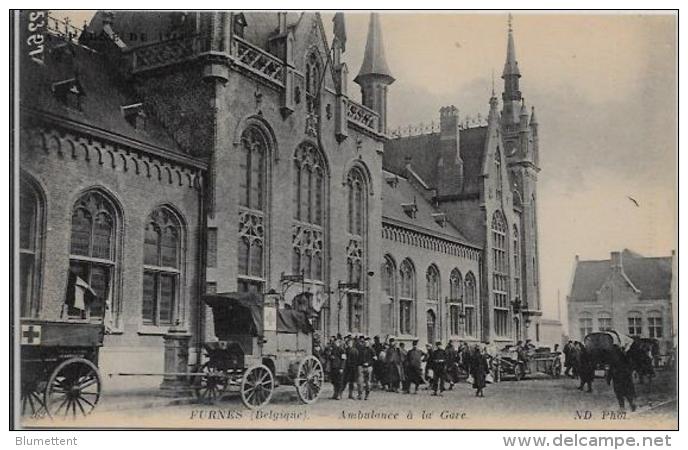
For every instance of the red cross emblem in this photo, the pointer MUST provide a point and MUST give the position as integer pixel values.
(31, 334)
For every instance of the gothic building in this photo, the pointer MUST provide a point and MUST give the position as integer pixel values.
(164, 155)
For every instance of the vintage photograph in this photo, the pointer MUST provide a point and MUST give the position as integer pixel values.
(344, 219)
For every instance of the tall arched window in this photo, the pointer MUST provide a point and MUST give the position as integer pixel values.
(93, 253)
(252, 193)
(604, 321)
(389, 289)
(432, 277)
(30, 231)
(655, 325)
(431, 322)
(517, 261)
(308, 232)
(455, 297)
(470, 296)
(313, 79)
(584, 324)
(407, 297)
(635, 324)
(356, 249)
(500, 278)
(162, 268)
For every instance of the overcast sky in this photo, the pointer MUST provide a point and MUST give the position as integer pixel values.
(604, 88)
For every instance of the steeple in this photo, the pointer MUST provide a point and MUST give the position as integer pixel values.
(374, 62)
(375, 76)
(511, 96)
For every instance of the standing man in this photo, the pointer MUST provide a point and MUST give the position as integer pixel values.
(452, 364)
(621, 373)
(393, 363)
(568, 358)
(368, 360)
(414, 361)
(353, 367)
(337, 360)
(438, 362)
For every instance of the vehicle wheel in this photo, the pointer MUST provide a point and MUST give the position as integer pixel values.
(32, 402)
(211, 385)
(257, 386)
(518, 372)
(73, 389)
(309, 379)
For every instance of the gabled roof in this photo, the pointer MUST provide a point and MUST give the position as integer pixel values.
(425, 150)
(104, 92)
(650, 275)
(405, 193)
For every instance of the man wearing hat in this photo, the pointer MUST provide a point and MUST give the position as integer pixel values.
(337, 360)
(414, 361)
(352, 374)
(393, 363)
(438, 362)
(368, 359)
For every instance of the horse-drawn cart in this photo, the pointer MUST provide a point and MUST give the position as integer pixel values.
(59, 367)
(259, 347)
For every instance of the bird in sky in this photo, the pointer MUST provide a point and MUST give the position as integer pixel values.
(635, 202)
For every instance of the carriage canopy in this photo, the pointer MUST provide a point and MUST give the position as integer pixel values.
(236, 313)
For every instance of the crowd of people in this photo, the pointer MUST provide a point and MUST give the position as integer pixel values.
(361, 364)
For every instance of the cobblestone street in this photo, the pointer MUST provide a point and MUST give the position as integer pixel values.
(531, 404)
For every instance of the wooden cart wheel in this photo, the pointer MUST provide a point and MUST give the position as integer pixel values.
(211, 385)
(257, 386)
(31, 399)
(518, 372)
(309, 379)
(73, 388)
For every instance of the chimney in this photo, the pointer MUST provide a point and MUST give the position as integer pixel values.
(617, 261)
(282, 22)
(449, 122)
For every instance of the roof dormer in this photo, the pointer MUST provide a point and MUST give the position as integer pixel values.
(69, 93)
(410, 208)
(134, 115)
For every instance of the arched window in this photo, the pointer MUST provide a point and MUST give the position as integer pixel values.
(93, 252)
(517, 261)
(407, 297)
(432, 277)
(431, 321)
(604, 321)
(309, 209)
(356, 249)
(498, 172)
(455, 297)
(584, 324)
(252, 193)
(389, 288)
(635, 324)
(655, 325)
(162, 266)
(30, 231)
(500, 278)
(470, 296)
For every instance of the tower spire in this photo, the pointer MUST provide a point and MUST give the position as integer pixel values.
(511, 97)
(375, 76)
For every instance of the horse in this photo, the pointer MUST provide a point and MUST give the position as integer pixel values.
(642, 354)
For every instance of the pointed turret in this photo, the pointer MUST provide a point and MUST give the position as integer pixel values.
(533, 119)
(511, 96)
(375, 76)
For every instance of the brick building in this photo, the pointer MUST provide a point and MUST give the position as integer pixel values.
(168, 154)
(629, 293)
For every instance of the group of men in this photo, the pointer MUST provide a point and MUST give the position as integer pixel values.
(359, 362)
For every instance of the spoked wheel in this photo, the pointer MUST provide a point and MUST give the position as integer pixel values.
(309, 379)
(73, 389)
(211, 385)
(257, 386)
(32, 400)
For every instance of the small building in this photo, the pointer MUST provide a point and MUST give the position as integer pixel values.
(629, 293)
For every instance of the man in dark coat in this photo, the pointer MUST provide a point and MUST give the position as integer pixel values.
(452, 364)
(437, 363)
(378, 366)
(585, 366)
(569, 360)
(393, 365)
(337, 359)
(621, 373)
(414, 371)
(368, 360)
(352, 368)
(479, 370)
